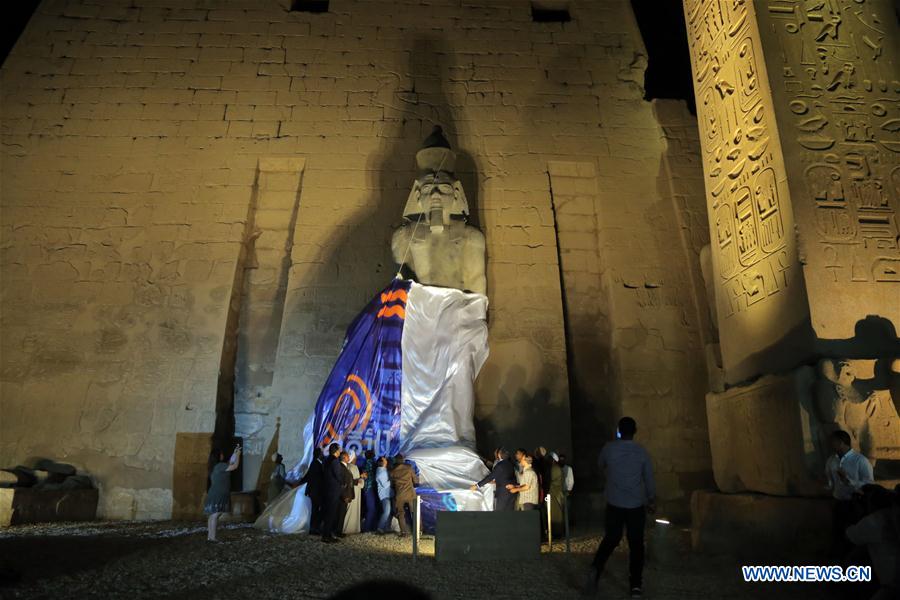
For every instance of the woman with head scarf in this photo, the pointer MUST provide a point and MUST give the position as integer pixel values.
(555, 489)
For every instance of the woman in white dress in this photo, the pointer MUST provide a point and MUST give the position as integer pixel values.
(352, 519)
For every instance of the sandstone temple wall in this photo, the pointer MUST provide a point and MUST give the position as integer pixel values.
(143, 140)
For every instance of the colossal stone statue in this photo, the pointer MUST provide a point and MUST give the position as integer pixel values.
(436, 242)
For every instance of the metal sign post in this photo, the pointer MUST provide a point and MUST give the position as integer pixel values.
(549, 525)
(417, 526)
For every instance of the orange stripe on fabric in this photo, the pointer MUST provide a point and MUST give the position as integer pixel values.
(395, 295)
(392, 311)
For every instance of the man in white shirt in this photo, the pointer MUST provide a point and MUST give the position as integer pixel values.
(630, 494)
(846, 472)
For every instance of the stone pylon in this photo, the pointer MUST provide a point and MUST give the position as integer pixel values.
(798, 105)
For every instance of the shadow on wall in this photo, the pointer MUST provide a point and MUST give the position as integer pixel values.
(591, 405)
(873, 337)
(356, 262)
(524, 407)
(268, 464)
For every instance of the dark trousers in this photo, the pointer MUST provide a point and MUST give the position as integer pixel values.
(315, 514)
(529, 506)
(505, 502)
(370, 504)
(400, 504)
(844, 514)
(330, 509)
(342, 514)
(633, 521)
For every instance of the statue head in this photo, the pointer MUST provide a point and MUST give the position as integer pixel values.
(437, 196)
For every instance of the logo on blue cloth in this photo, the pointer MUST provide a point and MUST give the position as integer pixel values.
(359, 406)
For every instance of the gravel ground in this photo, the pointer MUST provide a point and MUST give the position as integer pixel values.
(167, 560)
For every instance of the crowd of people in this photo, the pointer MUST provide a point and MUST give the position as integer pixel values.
(350, 494)
(525, 480)
(358, 496)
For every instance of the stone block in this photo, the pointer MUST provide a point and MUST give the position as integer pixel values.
(764, 529)
(141, 504)
(19, 506)
(765, 437)
(189, 474)
(245, 505)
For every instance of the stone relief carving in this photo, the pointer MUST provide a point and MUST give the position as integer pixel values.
(861, 397)
(841, 83)
(741, 168)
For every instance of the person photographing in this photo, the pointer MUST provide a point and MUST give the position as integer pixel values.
(218, 497)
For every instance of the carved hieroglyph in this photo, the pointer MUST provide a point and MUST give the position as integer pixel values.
(835, 73)
(758, 284)
(798, 116)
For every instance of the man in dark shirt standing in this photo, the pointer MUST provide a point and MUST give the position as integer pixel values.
(333, 472)
(370, 493)
(630, 495)
(503, 474)
(314, 480)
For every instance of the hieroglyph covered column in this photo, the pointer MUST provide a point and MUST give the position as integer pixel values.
(797, 105)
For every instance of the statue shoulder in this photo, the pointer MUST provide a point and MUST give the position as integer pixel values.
(402, 234)
(474, 236)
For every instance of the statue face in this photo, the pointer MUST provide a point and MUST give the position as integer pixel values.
(437, 196)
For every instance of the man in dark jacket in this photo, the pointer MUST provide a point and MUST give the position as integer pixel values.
(348, 493)
(502, 474)
(404, 480)
(315, 481)
(333, 475)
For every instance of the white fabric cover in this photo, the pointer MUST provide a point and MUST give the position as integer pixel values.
(454, 469)
(444, 345)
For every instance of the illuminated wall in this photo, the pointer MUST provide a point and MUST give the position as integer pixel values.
(145, 142)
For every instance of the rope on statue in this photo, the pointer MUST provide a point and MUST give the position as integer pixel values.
(408, 246)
